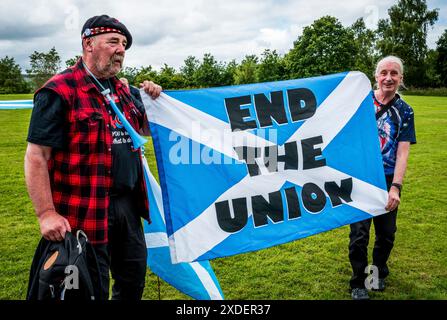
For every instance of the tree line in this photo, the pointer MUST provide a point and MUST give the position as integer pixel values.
(324, 47)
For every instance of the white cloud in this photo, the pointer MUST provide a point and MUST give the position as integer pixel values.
(170, 30)
(280, 40)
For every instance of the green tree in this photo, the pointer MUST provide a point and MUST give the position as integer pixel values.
(433, 78)
(191, 64)
(11, 79)
(168, 78)
(209, 72)
(130, 74)
(145, 73)
(229, 71)
(325, 47)
(246, 72)
(404, 34)
(43, 66)
(441, 59)
(72, 61)
(271, 67)
(365, 41)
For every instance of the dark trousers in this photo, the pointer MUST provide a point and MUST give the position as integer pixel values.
(385, 229)
(125, 255)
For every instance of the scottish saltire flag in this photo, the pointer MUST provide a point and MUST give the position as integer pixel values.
(248, 167)
(16, 104)
(195, 279)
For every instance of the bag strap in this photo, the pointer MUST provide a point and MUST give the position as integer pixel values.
(82, 261)
(89, 247)
(385, 108)
(87, 279)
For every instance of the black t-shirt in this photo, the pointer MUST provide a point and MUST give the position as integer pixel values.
(47, 123)
(47, 127)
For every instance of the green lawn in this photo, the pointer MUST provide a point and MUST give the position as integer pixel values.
(21, 96)
(311, 268)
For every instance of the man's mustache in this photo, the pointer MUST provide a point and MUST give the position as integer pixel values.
(115, 58)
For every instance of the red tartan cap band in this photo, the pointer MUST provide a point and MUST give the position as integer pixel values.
(105, 24)
(98, 30)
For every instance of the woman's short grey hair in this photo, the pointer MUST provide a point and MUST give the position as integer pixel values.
(390, 59)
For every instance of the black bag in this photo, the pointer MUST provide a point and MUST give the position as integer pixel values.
(60, 270)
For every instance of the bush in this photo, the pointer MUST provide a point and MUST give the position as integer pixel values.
(440, 92)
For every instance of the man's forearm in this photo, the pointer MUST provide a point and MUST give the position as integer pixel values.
(38, 181)
(401, 162)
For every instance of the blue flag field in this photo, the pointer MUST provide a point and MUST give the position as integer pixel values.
(16, 104)
(248, 167)
(196, 279)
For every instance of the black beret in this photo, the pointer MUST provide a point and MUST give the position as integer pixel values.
(105, 24)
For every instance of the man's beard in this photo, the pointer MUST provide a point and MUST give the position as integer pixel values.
(110, 70)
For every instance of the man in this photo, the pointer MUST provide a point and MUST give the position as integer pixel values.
(80, 168)
(395, 121)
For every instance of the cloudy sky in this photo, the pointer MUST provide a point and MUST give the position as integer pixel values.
(167, 31)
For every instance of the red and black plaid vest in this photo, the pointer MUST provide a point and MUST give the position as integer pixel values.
(80, 173)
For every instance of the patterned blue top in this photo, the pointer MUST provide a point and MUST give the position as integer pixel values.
(395, 125)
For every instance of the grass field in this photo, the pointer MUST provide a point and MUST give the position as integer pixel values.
(311, 268)
(21, 96)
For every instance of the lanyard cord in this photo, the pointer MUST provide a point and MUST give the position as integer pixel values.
(138, 141)
(104, 90)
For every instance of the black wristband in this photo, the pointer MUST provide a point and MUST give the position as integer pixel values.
(397, 185)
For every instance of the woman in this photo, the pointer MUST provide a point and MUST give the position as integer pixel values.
(395, 121)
